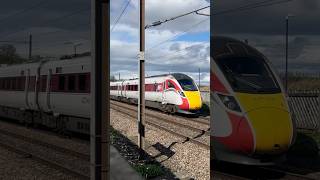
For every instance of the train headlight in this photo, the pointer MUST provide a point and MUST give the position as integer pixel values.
(230, 102)
(182, 94)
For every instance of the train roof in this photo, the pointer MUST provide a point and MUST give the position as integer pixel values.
(175, 75)
(221, 45)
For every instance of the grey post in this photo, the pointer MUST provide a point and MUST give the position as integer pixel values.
(141, 100)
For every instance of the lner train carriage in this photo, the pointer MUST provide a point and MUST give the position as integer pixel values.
(250, 121)
(51, 93)
(172, 93)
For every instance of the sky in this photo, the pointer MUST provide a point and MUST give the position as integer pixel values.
(55, 25)
(168, 48)
(264, 28)
(52, 24)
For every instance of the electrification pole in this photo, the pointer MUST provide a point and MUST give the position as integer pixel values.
(199, 78)
(141, 101)
(287, 50)
(100, 91)
(30, 46)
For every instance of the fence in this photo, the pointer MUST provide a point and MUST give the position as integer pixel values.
(305, 109)
(304, 106)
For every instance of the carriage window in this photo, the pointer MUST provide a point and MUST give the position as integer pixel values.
(61, 82)
(13, 84)
(43, 83)
(82, 82)
(71, 83)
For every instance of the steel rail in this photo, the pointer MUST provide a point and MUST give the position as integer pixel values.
(152, 123)
(200, 130)
(47, 145)
(45, 161)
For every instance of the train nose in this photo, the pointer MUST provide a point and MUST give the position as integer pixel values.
(194, 99)
(272, 128)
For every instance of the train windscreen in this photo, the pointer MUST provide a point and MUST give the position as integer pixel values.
(187, 85)
(250, 75)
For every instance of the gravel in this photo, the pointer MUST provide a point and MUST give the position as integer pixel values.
(16, 166)
(186, 160)
(66, 160)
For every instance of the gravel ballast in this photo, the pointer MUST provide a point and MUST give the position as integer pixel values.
(186, 160)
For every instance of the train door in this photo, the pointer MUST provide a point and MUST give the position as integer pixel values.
(48, 90)
(121, 89)
(164, 89)
(26, 89)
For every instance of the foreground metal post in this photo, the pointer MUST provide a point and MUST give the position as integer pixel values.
(141, 100)
(100, 85)
(286, 73)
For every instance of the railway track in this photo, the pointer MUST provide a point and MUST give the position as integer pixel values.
(168, 118)
(200, 131)
(236, 171)
(42, 151)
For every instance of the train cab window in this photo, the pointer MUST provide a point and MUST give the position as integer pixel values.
(187, 84)
(71, 83)
(249, 74)
(170, 85)
(62, 80)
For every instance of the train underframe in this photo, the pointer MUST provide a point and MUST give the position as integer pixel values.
(167, 108)
(220, 153)
(60, 123)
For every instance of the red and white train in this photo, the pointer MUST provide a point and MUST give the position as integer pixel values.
(51, 93)
(169, 92)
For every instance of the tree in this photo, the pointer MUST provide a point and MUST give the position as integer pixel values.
(112, 78)
(8, 55)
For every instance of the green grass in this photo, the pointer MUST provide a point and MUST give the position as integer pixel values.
(149, 170)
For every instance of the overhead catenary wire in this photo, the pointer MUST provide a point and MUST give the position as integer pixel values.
(50, 21)
(241, 8)
(252, 6)
(120, 16)
(179, 34)
(174, 18)
(38, 4)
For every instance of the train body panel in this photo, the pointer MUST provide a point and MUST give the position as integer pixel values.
(166, 90)
(52, 93)
(250, 116)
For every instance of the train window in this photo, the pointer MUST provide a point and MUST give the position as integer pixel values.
(61, 82)
(7, 87)
(58, 69)
(82, 82)
(23, 83)
(71, 83)
(170, 85)
(43, 83)
(13, 84)
(187, 84)
(248, 74)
